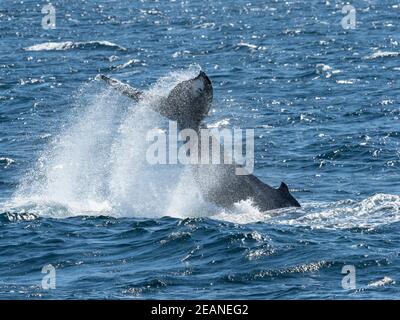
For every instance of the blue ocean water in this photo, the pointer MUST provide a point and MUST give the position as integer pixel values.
(75, 192)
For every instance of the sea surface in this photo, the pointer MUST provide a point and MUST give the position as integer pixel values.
(79, 201)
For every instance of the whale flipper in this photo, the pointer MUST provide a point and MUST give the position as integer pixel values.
(124, 88)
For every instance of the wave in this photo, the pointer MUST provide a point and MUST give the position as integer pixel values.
(279, 272)
(325, 70)
(69, 45)
(250, 46)
(368, 214)
(220, 123)
(382, 54)
(6, 162)
(127, 64)
(17, 216)
(381, 283)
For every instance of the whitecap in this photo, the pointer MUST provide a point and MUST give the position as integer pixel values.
(345, 81)
(68, 45)
(382, 282)
(382, 54)
(250, 46)
(325, 70)
(6, 161)
(220, 123)
(372, 212)
(127, 64)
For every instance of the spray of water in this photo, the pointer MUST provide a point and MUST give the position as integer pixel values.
(97, 164)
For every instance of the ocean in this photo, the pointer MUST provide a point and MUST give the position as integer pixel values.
(83, 216)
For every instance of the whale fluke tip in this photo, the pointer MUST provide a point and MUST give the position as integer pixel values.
(203, 75)
(284, 188)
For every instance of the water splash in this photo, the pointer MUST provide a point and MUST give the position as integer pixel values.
(97, 164)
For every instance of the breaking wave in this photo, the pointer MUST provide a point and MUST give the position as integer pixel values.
(372, 212)
(382, 54)
(69, 45)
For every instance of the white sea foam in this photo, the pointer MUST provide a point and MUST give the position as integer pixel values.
(250, 46)
(369, 213)
(381, 283)
(6, 161)
(127, 64)
(68, 45)
(242, 213)
(325, 70)
(379, 209)
(382, 54)
(219, 123)
(351, 81)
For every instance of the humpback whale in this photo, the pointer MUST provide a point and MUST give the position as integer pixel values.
(188, 103)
